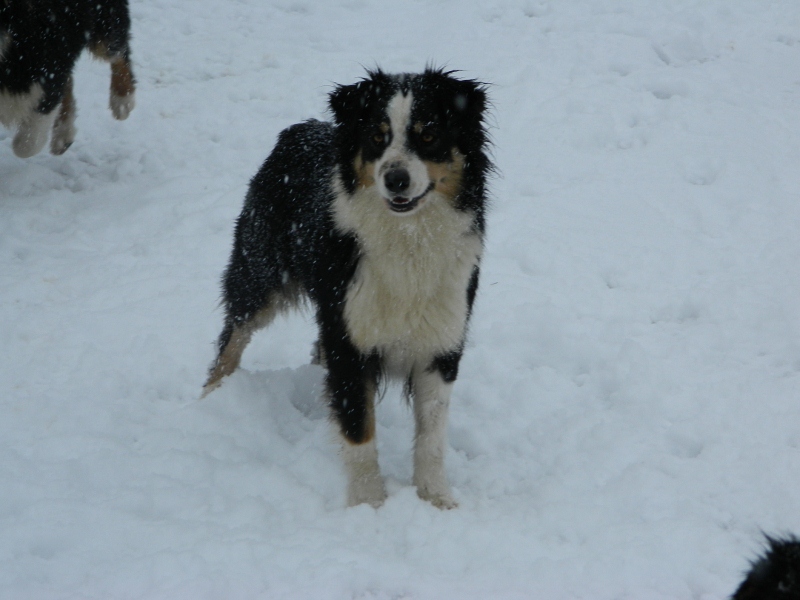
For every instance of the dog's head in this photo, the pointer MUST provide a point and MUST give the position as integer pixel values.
(408, 135)
(776, 575)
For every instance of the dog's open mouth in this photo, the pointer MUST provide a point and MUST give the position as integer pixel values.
(402, 204)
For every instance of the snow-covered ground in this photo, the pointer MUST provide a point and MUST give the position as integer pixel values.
(627, 420)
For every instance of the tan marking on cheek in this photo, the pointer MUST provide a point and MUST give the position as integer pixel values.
(365, 172)
(446, 176)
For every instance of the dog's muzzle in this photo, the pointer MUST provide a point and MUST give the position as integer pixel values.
(397, 181)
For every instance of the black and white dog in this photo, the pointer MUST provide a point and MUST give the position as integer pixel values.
(40, 41)
(378, 220)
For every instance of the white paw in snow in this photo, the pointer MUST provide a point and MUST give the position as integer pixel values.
(63, 136)
(121, 106)
(32, 135)
(368, 489)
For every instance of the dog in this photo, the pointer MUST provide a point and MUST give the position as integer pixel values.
(774, 576)
(376, 219)
(40, 42)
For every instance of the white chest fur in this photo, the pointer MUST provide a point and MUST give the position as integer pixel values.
(408, 298)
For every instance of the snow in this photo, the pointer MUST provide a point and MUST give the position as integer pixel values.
(626, 421)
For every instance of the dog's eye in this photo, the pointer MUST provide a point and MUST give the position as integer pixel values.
(427, 137)
(379, 138)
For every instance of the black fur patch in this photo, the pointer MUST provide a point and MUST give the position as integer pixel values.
(447, 365)
(774, 576)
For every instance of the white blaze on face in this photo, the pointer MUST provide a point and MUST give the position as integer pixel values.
(397, 155)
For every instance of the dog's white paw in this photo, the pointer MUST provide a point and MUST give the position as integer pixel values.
(121, 106)
(63, 137)
(32, 135)
(440, 498)
(364, 481)
(368, 489)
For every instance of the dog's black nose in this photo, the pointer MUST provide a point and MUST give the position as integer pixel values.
(397, 181)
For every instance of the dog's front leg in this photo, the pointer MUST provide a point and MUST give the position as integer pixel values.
(364, 481)
(351, 384)
(431, 392)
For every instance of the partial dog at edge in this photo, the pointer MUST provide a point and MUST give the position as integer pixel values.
(775, 575)
(378, 220)
(40, 42)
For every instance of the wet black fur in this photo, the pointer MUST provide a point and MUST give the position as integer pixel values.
(285, 239)
(776, 575)
(47, 37)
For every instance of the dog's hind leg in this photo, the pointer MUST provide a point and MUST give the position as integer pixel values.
(234, 339)
(431, 388)
(64, 126)
(110, 41)
(123, 97)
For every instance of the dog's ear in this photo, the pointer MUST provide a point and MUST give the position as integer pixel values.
(465, 105)
(468, 101)
(347, 102)
(464, 100)
(350, 103)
